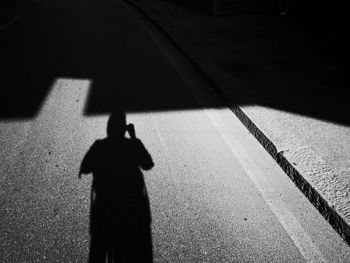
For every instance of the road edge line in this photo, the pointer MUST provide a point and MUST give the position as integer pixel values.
(335, 219)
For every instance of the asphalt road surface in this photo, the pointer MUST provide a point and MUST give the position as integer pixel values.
(215, 195)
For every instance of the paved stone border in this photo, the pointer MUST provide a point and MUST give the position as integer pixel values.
(217, 79)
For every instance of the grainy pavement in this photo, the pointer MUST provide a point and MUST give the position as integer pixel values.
(215, 195)
(285, 77)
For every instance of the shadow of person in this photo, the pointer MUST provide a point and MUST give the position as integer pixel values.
(120, 217)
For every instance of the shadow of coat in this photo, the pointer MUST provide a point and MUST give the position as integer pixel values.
(120, 217)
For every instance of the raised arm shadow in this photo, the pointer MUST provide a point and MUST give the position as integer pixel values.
(120, 216)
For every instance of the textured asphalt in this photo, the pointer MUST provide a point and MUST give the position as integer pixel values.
(276, 75)
(215, 195)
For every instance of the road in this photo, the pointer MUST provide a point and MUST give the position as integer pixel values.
(215, 194)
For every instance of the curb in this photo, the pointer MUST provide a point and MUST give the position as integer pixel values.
(216, 78)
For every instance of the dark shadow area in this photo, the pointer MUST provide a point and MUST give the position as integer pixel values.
(95, 40)
(296, 61)
(100, 41)
(12, 8)
(120, 216)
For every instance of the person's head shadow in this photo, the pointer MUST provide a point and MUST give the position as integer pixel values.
(120, 217)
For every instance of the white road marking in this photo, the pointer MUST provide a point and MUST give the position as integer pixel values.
(296, 232)
(289, 222)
